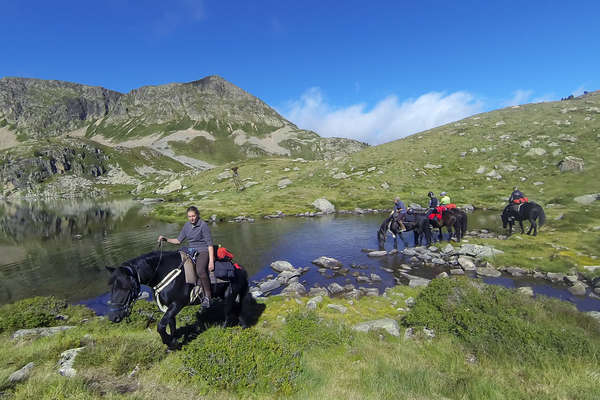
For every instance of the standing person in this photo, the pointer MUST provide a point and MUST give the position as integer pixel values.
(200, 249)
(433, 201)
(445, 199)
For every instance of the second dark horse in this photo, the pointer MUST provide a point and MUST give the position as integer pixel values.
(419, 224)
(527, 211)
(455, 222)
(150, 269)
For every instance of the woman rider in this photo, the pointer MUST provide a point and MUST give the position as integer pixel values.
(197, 233)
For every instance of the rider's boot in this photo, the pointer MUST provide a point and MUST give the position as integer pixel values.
(187, 291)
(204, 281)
(402, 227)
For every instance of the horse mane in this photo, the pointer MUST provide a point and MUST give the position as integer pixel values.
(148, 259)
(384, 225)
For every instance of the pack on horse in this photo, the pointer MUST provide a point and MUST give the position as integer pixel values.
(412, 222)
(523, 211)
(450, 217)
(163, 272)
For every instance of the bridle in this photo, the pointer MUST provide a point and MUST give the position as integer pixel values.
(135, 290)
(133, 294)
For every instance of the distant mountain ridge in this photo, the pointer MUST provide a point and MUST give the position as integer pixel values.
(221, 122)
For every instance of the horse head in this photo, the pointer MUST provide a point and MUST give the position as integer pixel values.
(125, 289)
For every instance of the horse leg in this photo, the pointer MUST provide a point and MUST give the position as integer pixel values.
(532, 225)
(229, 306)
(521, 225)
(169, 319)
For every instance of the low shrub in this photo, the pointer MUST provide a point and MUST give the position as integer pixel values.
(29, 313)
(306, 330)
(498, 322)
(237, 359)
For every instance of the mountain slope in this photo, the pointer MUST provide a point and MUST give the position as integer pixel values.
(221, 121)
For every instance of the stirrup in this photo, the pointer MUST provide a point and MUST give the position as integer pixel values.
(195, 293)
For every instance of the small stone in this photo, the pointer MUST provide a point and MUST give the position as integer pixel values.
(22, 374)
(526, 290)
(338, 307)
(578, 289)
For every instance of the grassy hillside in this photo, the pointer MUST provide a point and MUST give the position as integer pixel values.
(446, 158)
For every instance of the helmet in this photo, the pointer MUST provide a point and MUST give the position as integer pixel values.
(430, 194)
(515, 188)
(443, 194)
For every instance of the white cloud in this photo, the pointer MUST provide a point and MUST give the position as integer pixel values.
(519, 97)
(388, 120)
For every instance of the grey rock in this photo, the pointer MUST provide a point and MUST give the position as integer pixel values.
(594, 314)
(314, 302)
(457, 271)
(283, 183)
(438, 261)
(324, 206)
(416, 282)
(478, 250)
(387, 324)
(335, 288)
(294, 288)
(578, 289)
(375, 278)
(281, 266)
(22, 374)
(43, 332)
(492, 272)
(67, 359)
(587, 199)
(515, 271)
(373, 292)
(318, 291)
(555, 276)
(327, 262)
(448, 249)
(409, 333)
(432, 166)
(535, 151)
(269, 285)
(570, 163)
(467, 263)
(410, 302)
(338, 307)
(286, 276)
(429, 333)
(377, 253)
(526, 290)
(442, 275)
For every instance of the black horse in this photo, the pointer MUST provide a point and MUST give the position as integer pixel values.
(416, 223)
(527, 211)
(455, 222)
(150, 269)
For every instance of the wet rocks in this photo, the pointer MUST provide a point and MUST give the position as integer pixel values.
(281, 266)
(378, 253)
(578, 289)
(467, 263)
(487, 271)
(269, 285)
(327, 262)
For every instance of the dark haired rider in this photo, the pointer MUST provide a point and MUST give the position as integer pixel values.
(197, 233)
(516, 198)
(433, 203)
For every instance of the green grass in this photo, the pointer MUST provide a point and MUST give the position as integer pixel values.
(292, 353)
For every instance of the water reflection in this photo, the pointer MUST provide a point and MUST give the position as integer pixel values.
(61, 249)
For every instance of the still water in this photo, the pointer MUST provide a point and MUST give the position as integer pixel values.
(62, 249)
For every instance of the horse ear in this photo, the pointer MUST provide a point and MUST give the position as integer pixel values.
(109, 269)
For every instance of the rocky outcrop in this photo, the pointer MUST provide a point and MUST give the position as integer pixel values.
(571, 163)
(35, 164)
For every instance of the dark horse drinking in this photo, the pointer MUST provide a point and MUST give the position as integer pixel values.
(455, 222)
(524, 212)
(416, 223)
(151, 269)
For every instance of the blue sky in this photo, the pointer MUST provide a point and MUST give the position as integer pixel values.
(374, 71)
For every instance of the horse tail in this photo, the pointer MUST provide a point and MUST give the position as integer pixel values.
(463, 223)
(542, 216)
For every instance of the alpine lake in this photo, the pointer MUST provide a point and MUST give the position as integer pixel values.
(62, 248)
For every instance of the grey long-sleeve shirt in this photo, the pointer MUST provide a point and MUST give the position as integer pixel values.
(198, 235)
